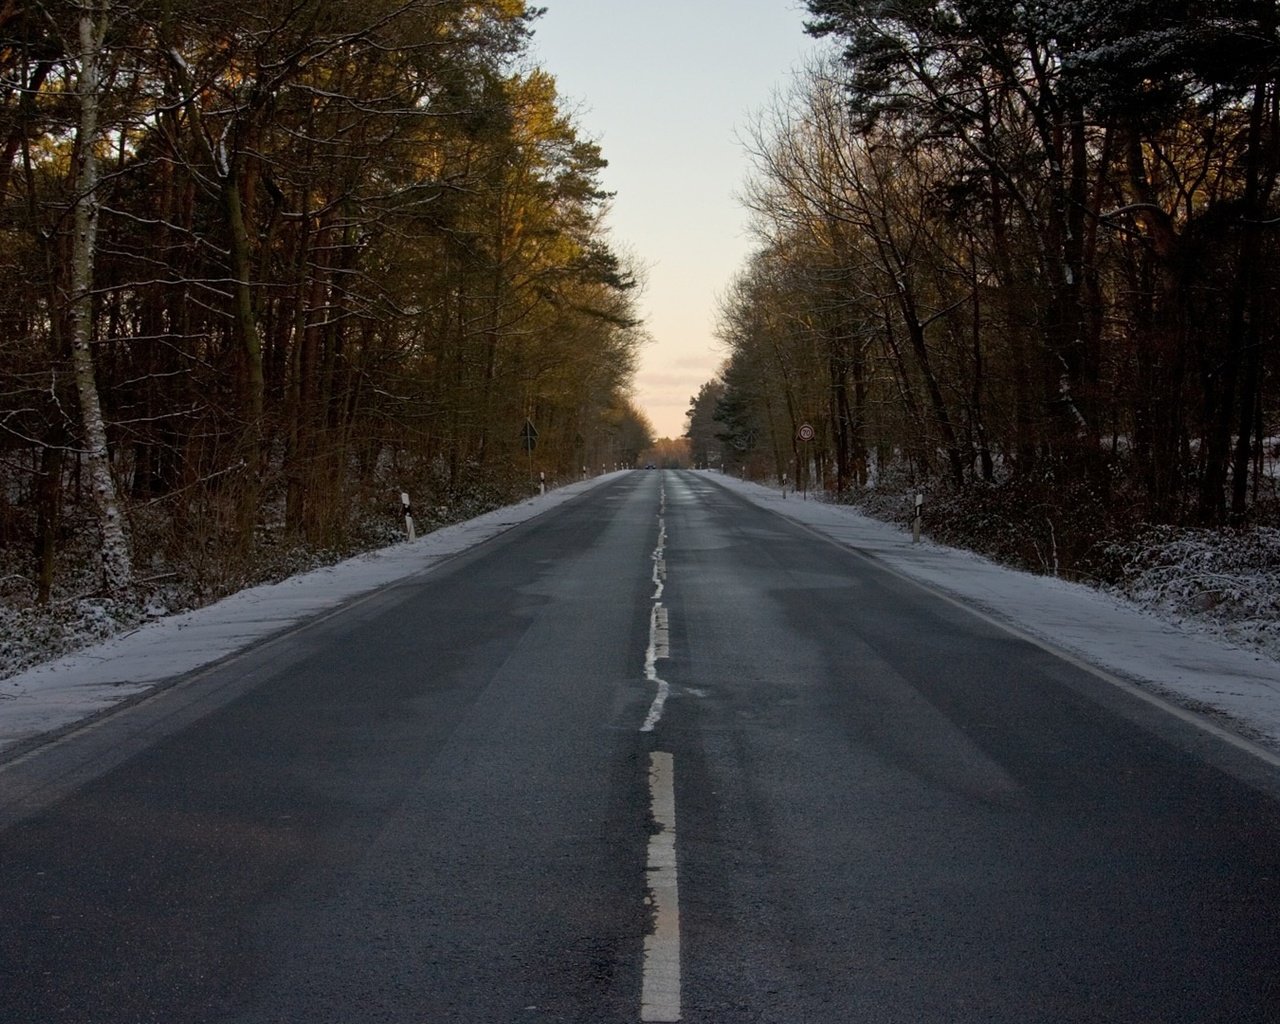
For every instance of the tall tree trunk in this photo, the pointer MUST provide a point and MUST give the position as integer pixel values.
(1251, 383)
(1242, 328)
(1158, 428)
(858, 422)
(905, 393)
(48, 492)
(841, 417)
(230, 169)
(1249, 391)
(986, 464)
(919, 346)
(116, 561)
(251, 348)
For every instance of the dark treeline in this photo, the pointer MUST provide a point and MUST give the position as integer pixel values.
(267, 264)
(1021, 249)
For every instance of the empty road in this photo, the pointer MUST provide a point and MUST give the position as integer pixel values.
(655, 755)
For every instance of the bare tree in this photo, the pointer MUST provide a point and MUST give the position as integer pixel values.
(117, 566)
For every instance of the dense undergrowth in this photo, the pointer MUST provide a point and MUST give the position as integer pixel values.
(181, 567)
(1225, 581)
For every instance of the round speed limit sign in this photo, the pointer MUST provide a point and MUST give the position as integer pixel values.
(805, 433)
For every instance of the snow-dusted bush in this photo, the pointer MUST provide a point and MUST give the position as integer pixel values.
(1050, 521)
(186, 557)
(1229, 579)
(1224, 581)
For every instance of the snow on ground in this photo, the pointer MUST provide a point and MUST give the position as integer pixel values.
(59, 693)
(1118, 636)
(1187, 665)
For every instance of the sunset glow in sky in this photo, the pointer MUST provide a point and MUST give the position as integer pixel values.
(666, 88)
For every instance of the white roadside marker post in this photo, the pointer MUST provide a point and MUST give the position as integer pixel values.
(542, 482)
(915, 522)
(408, 515)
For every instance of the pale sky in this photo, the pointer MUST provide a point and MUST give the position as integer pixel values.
(666, 88)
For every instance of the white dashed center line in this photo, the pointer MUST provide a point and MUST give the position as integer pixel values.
(660, 989)
(659, 648)
(659, 630)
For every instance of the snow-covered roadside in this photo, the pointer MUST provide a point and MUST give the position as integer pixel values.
(58, 693)
(1189, 666)
(1099, 628)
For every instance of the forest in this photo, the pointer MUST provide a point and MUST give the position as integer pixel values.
(269, 265)
(1022, 258)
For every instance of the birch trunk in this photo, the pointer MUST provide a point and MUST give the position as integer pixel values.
(117, 568)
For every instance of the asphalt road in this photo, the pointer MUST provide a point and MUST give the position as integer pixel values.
(458, 800)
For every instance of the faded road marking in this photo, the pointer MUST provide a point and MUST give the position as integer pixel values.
(659, 648)
(659, 626)
(660, 990)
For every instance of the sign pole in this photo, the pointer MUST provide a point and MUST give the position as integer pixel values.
(530, 435)
(408, 515)
(804, 434)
